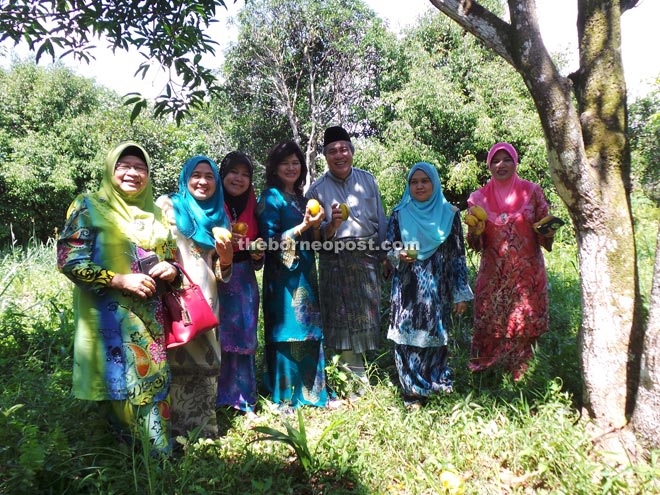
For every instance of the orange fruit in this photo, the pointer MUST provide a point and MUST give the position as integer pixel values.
(314, 207)
(240, 228)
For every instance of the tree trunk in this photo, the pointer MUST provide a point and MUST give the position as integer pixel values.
(589, 163)
(646, 417)
(605, 232)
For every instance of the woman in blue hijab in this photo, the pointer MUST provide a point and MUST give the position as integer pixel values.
(430, 281)
(192, 212)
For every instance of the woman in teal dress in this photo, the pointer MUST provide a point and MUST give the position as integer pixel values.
(119, 356)
(295, 360)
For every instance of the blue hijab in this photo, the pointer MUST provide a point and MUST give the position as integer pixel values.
(195, 218)
(429, 222)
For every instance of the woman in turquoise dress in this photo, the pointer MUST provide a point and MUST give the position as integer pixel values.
(430, 281)
(295, 360)
(119, 357)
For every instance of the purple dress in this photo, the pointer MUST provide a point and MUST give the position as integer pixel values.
(239, 311)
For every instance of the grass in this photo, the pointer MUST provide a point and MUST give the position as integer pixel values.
(494, 435)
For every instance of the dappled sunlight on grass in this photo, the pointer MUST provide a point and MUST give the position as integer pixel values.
(493, 435)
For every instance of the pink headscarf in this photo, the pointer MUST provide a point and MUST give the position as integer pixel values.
(505, 196)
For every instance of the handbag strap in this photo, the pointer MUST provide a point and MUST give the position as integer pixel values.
(180, 268)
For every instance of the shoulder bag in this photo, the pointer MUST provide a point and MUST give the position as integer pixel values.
(187, 312)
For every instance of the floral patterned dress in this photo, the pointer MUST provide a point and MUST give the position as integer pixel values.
(423, 296)
(119, 352)
(195, 365)
(295, 358)
(511, 289)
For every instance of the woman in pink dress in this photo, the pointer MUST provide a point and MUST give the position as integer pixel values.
(511, 290)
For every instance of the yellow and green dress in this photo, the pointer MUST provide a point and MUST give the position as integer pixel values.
(119, 350)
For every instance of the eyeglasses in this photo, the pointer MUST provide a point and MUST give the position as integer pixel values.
(123, 167)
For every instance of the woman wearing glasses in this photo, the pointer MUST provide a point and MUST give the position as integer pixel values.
(119, 350)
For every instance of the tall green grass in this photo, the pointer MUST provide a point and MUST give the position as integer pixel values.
(497, 436)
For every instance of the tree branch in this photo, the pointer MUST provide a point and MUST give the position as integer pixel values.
(493, 32)
(627, 4)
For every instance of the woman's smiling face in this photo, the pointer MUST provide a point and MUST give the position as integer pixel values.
(288, 172)
(502, 166)
(421, 186)
(237, 180)
(202, 182)
(130, 175)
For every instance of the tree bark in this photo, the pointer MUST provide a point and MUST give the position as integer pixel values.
(646, 417)
(589, 162)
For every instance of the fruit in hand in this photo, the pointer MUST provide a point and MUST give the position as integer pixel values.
(471, 220)
(345, 212)
(314, 207)
(240, 228)
(476, 222)
(221, 234)
(478, 212)
(412, 253)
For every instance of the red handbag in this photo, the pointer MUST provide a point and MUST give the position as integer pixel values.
(188, 313)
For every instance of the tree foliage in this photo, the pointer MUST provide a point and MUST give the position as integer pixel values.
(300, 65)
(56, 131)
(169, 32)
(645, 142)
(451, 100)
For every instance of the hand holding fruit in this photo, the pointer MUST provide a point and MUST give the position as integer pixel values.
(239, 228)
(314, 213)
(476, 220)
(409, 254)
(223, 245)
(238, 232)
(340, 213)
(548, 225)
(221, 234)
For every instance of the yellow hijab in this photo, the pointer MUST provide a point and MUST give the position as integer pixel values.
(135, 216)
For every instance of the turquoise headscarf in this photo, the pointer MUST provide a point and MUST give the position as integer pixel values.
(428, 223)
(194, 218)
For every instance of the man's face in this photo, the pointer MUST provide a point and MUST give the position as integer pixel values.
(339, 158)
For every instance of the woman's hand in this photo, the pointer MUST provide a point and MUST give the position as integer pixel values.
(460, 307)
(164, 270)
(405, 257)
(237, 241)
(225, 251)
(314, 220)
(309, 221)
(138, 284)
(257, 255)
